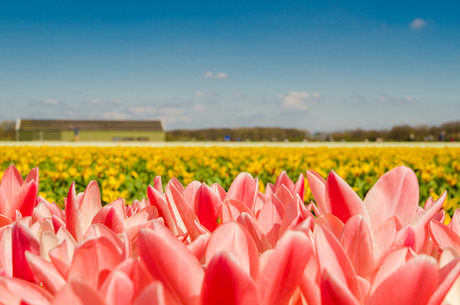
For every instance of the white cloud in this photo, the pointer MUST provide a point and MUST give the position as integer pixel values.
(387, 99)
(171, 111)
(199, 107)
(176, 119)
(201, 93)
(142, 110)
(220, 75)
(50, 101)
(298, 99)
(208, 74)
(99, 101)
(418, 23)
(115, 115)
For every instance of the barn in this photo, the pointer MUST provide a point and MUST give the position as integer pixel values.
(89, 130)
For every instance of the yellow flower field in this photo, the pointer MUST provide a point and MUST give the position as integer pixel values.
(126, 171)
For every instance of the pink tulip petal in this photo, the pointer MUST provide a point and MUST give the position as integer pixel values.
(269, 189)
(357, 242)
(24, 201)
(17, 291)
(283, 179)
(227, 282)
(284, 269)
(145, 214)
(219, 190)
(444, 236)
(299, 187)
(45, 272)
(396, 193)
(153, 295)
(23, 240)
(234, 239)
(244, 189)
(190, 193)
(229, 212)
(318, 189)
(157, 184)
(384, 237)
(110, 217)
(335, 291)
(157, 200)
(332, 256)
(240, 207)
(175, 214)
(406, 237)
(94, 259)
(33, 175)
(90, 203)
(270, 219)
(4, 220)
(332, 223)
(187, 215)
(6, 255)
(169, 261)
(284, 195)
(455, 222)
(392, 262)
(447, 276)
(74, 219)
(139, 276)
(60, 259)
(11, 183)
(344, 202)
(198, 246)
(310, 290)
(293, 215)
(118, 289)
(207, 206)
(413, 283)
(254, 230)
(99, 230)
(78, 292)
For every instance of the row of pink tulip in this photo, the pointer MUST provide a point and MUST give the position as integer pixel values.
(203, 245)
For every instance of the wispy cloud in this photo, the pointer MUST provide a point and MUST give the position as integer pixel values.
(298, 99)
(220, 75)
(388, 99)
(418, 23)
(201, 94)
(115, 115)
(141, 111)
(50, 101)
(105, 102)
(168, 119)
(171, 111)
(199, 107)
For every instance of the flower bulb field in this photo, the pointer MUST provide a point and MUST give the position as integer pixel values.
(126, 172)
(229, 225)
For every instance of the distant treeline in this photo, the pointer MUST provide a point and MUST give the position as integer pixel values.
(448, 131)
(238, 134)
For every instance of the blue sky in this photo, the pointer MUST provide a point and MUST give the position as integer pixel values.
(314, 65)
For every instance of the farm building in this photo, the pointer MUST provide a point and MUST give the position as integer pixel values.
(89, 130)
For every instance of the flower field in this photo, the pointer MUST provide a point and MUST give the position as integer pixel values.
(126, 172)
(239, 241)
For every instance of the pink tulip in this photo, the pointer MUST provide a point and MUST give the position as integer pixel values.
(17, 197)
